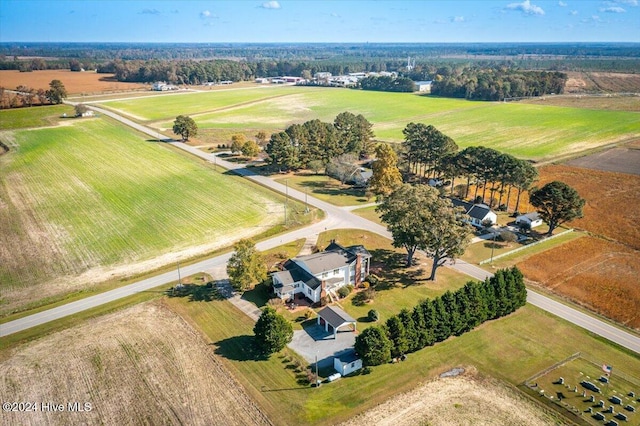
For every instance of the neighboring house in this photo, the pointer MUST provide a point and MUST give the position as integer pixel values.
(423, 86)
(347, 363)
(530, 219)
(476, 213)
(315, 275)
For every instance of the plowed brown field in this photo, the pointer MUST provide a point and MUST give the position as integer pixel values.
(601, 271)
(142, 365)
(462, 400)
(88, 82)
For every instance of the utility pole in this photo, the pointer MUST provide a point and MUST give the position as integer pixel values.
(493, 246)
(306, 204)
(286, 200)
(179, 281)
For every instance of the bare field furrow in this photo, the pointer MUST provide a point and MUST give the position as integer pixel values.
(143, 365)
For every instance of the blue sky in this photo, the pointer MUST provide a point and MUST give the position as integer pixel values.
(320, 21)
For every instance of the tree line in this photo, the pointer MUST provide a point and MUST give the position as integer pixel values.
(385, 83)
(495, 84)
(301, 144)
(435, 320)
(429, 153)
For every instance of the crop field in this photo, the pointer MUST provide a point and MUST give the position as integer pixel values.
(21, 118)
(462, 400)
(141, 365)
(525, 130)
(602, 271)
(93, 201)
(88, 82)
(622, 160)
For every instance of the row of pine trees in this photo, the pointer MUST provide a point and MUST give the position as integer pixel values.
(451, 314)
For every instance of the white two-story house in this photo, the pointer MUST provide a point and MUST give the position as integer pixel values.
(315, 275)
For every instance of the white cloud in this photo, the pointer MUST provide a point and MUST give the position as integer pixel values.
(457, 19)
(270, 5)
(612, 9)
(334, 15)
(562, 4)
(150, 12)
(206, 14)
(573, 12)
(629, 2)
(526, 7)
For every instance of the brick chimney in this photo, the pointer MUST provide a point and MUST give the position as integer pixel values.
(323, 289)
(358, 272)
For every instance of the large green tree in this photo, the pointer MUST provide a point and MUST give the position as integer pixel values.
(57, 92)
(386, 176)
(272, 331)
(355, 132)
(373, 346)
(557, 203)
(418, 218)
(283, 152)
(246, 266)
(185, 127)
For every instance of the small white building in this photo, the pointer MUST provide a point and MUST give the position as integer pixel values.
(262, 80)
(477, 214)
(347, 363)
(530, 219)
(423, 86)
(88, 113)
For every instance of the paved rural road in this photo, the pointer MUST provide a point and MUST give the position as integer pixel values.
(336, 218)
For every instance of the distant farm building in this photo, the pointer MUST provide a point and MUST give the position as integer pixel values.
(423, 86)
(161, 86)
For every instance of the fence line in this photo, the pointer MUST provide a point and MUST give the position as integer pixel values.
(482, 262)
(553, 367)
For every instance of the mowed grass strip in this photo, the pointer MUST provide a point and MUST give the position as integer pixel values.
(96, 193)
(528, 131)
(21, 118)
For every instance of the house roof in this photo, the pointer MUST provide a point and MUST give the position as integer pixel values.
(479, 211)
(294, 273)
(347, 357)
(334, 257)
(335, 316)
(459, 203)
(531, 216)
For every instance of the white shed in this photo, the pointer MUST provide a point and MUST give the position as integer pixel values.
(531, 219)
(347, 363)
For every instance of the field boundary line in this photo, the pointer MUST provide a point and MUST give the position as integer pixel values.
(519, 249)
(553, 367)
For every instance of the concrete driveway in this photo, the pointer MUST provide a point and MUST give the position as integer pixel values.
(314, 341)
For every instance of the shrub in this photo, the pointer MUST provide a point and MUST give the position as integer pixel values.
(366, 284)
(369, 294)
(345, 291)
(308, 314)
(373, 315)
(373, 279)
(275, 303)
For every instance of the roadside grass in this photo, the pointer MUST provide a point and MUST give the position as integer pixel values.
(369, 213)
(97, 194)
(326, 189)
(511, 349)
(503, 126)
(482, 250)
(36, 116)
(477, 252)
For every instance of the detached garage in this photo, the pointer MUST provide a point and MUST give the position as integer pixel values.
(333, 318)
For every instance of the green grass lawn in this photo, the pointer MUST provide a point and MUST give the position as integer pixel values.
(327, 189)
(524, 130)
(20, 118)
(98, 194)
(511, 349)
(369, 213)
